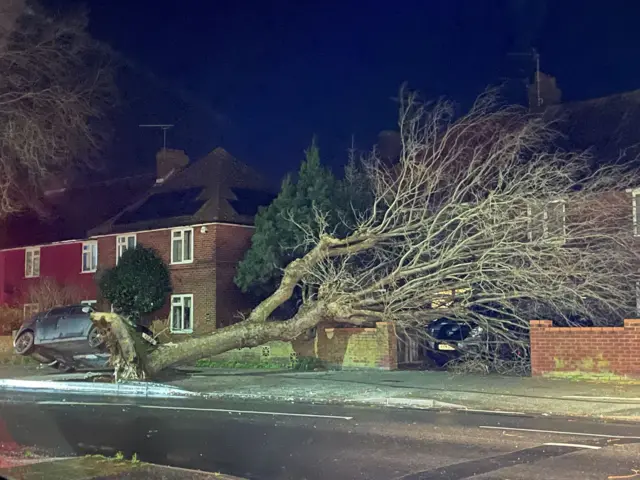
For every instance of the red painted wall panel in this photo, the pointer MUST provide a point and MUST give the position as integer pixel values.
(62, 262)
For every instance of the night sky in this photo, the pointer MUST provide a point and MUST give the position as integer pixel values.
(261, 77)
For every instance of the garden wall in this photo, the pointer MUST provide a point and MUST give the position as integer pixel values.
(347, 348)
(612, 350)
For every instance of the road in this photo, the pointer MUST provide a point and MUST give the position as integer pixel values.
(293, 441)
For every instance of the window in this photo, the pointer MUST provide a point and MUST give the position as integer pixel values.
(29, 310)
(124, 243)
(32, 262)
(181, 313)
(547, 221)
(89, 257)
(555, 219)
(636, 212)
(182, 245)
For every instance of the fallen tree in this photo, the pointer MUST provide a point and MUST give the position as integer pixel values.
(482, 220)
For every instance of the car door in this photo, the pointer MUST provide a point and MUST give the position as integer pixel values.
(71, 326)
(47, 326)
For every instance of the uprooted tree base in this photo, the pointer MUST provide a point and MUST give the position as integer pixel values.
(132, 358)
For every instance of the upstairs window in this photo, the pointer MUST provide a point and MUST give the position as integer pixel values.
(32, 262)
(182, 245)
(89, 257)
(124, 243)
(547, 221)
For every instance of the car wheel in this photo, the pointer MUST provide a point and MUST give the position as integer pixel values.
(95, 338)
(25, 343)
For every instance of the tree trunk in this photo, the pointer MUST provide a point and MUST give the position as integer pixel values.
(131, 362)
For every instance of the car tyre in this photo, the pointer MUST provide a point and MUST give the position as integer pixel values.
(25, 343)
(95, 338)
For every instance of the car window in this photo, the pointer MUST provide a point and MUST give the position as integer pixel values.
(58, 311)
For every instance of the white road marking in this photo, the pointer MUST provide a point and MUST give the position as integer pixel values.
(557, 432)
(576, 445)
(251, 412)
(90, 404)
(502, 412)
(587, 397)
(222, 410)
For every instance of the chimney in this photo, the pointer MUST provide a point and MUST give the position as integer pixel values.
(544, 89)
(169, 161)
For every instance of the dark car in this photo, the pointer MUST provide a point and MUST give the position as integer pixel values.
(66, 338)
(448, 339)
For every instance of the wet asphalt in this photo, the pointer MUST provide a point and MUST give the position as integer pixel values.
(264, 440)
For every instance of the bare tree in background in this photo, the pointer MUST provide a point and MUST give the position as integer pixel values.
(47, 293)
(55, 83)
(481, 220)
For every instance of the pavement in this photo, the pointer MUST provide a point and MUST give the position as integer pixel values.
(402, 389)
(421, 389)
(273, 440)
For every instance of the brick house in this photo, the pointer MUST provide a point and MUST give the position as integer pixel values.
(197, 215)
(199, 218)
(48, 242)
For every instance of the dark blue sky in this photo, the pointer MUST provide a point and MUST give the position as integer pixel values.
(267, 75)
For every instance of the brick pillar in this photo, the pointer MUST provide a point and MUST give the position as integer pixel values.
(540, 353)
(387, 344)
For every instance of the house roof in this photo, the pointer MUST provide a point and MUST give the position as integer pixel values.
(609, 127)
(68, 213)
(216, 188)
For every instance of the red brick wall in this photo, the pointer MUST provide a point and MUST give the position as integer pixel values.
(590, 349)
(209, 278)
(359, 347)
(231, 244)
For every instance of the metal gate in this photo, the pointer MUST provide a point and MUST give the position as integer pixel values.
(408, 349)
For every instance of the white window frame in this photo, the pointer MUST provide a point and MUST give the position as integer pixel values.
(634, 203)
(32, 308)
(93, 249)
(181, 298)
(123, 241)
(180, 238)
(35, 253)
(90, 303)
(545, 219)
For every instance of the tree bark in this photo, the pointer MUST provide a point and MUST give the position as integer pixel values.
(131, 362)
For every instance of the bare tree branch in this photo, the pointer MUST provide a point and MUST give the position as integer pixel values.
(55, 85)
(482, 220)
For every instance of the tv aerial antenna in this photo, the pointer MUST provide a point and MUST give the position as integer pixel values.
(164, 128)
(535, 56)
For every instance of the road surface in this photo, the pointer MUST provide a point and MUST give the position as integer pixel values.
(293, 441)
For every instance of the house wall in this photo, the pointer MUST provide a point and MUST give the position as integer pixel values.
(61, 262)
(209, 278)
(614, 350)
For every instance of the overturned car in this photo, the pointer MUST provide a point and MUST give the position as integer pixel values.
(66, 338)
